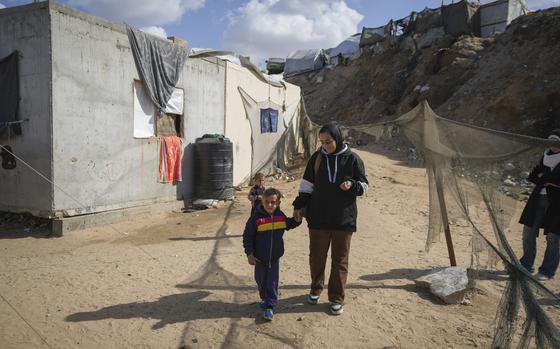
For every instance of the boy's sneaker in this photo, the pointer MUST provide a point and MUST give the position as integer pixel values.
(336, 308)
(542, 277)
(312, 299)
(268, 314)
(262, 305)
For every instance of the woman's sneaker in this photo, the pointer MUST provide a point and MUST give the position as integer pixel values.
(268, 314)
(312, 299)
(262, 304)
(336, 308)
(542, 277)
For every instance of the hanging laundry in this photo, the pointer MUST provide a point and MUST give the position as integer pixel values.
(170, 156)
(269, 120)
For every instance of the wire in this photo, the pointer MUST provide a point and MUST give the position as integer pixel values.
(71, 197)
(24, 320)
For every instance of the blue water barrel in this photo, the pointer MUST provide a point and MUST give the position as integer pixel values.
(213, 167)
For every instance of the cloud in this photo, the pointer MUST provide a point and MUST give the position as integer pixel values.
(139, 13)
(157, 31)
(2, 6)
(274, 28)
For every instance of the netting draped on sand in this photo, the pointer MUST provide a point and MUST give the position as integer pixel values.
(466, 166)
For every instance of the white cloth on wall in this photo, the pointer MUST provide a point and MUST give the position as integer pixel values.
(176, 102)
(144, 113)
(145, 110)
(265, 145)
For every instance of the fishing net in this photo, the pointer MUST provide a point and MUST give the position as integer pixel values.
(472, 173)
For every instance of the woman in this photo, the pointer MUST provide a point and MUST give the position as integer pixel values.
(542, 211)
(333, 178)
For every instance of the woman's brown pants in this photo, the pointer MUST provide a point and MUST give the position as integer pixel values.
(319, 242)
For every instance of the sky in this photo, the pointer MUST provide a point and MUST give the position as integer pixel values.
(257, 28)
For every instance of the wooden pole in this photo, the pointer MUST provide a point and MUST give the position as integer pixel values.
(444, 217)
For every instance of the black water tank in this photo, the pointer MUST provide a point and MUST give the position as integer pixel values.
(213, 167)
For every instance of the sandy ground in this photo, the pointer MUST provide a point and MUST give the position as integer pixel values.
(181, 280)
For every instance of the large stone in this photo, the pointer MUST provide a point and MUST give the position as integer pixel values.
(449, 284)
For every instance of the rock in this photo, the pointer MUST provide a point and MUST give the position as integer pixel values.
(448, 284)
(510, 183)
(510, 167)
(300, 318)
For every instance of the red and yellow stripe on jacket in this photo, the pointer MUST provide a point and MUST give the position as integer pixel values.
(268, 223)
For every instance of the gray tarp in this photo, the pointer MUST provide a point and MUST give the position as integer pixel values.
(370, 36)
(159, 63)
(9, 88)
(458, 18)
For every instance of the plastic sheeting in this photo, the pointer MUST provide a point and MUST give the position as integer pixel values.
(371, 36)
(144, 113)
(265, 145)
(305, 60)
(159, 63)
(458, 18)
(349, 48)
(175, 104)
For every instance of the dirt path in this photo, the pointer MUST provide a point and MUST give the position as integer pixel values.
(181, 280)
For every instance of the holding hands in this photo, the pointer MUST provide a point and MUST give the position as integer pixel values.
(251, 259)
(346, 185)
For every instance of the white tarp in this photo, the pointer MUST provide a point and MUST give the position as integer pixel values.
(349, 48)
(145, 110)
(175, 103)
(305, 60)
(253, 148)
(144, 113)
(264, 144)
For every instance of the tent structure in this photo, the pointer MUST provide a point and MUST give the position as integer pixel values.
(460, 18)
(94, 132)
(349, 48)
(497, 15)
(305, 60)
(371, 36)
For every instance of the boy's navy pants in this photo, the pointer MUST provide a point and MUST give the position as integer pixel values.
(267, 280)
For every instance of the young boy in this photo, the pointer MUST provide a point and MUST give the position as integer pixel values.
(264, 245)
(257, 191)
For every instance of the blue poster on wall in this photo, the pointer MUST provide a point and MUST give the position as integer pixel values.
(269, 120)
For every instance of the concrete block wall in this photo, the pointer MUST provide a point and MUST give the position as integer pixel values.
(27, 29)
(95, 156)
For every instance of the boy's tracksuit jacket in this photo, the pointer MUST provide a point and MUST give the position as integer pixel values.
(263, 238)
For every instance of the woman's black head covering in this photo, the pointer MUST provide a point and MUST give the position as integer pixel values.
(333, 129)
(555, 132)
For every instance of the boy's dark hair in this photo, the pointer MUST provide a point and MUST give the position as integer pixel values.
(258, 175)
(272, 191)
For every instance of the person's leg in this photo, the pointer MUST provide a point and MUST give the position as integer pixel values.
(530, 235)
(272, 285)
(551, 256)
(260, 278)
(319, 241)
(529, 247)
(340, 254)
